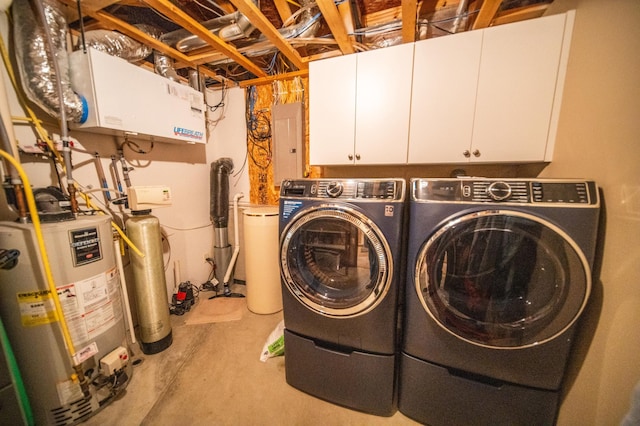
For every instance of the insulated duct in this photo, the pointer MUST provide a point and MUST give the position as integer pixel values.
(222, 251)
(37, 71)
(118, 44)
(164, 66)
(219, 206)
(228, 27)
(235, 27)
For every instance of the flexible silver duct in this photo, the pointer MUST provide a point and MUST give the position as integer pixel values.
(228, 27)
(118, 44)
(37, 70)
(236, 26)
(164, 66)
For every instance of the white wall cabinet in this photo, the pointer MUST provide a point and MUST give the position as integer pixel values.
(383, 103)
(486, 96)
(359, 107)
(445, 82)
(519, 76)
(489, 96)
(332, 103)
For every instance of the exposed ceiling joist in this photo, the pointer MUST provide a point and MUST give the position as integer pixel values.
(487, 12)
(252, 12)
(334, 21)
(284, 9)
(180, 17)
(322, 28)
(409, 18)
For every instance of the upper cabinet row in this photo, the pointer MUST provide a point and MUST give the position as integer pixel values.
(484, 96)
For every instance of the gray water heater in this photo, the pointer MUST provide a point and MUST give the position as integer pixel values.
(83, 266)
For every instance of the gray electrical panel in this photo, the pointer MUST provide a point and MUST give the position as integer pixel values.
(288, 136)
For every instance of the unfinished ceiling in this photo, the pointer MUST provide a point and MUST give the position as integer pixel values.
(249, 42)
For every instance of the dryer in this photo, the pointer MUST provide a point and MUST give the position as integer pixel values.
(499, 271)
(341, 246)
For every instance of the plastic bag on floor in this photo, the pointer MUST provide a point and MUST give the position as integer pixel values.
(274, 346)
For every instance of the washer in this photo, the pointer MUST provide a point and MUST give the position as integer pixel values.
(341, 245)
(499, 271)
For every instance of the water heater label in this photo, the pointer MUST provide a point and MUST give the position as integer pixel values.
(36, 308)
(85, 244)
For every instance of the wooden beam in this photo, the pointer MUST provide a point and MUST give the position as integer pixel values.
(257, 18)
(409, 18)
(334, 21)
(487, 12)
(272, 78)
(520, 14)
(382, 16)
(283, 8)
(178, 16)
(345, 11)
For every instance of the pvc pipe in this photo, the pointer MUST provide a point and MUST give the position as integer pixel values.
(236, 251)
(123, 286)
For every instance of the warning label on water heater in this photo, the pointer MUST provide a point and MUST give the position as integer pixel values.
(36, 308)
(90, 306)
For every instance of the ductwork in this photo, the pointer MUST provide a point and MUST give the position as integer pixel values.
(118, 44)
(228, 27)
(219, 201)
(236, 27)
(35, 64)
(164, 66)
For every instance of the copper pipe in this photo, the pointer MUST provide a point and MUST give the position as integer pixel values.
(20, 202)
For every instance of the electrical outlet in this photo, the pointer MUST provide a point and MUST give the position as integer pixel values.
(206, 256)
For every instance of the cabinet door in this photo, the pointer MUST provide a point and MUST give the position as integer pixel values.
(445, 80)
(383, 100)
(516, 86)
(332, 100)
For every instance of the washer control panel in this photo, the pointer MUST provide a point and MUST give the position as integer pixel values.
(542, 191)
(361, 189)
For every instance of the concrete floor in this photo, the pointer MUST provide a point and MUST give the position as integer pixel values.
(212, 375)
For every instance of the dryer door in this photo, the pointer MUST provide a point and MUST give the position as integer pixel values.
(335, 261)
(502, 279)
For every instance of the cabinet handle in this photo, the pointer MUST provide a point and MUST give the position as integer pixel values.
(476, 153)
(350, 156)
(466, 153)
(357, 156)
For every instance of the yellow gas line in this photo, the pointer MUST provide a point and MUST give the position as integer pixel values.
(43, 252)
(113, 224)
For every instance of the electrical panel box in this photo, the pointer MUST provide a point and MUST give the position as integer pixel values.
(288, 137)
(125, 99)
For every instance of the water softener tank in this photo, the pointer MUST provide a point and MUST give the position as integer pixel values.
(150, 286)
(82, 260)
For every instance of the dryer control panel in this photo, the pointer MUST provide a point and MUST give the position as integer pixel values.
(361, 189)
(521, 191)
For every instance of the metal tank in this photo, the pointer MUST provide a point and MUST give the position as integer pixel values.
(150, 288)
(83, 266)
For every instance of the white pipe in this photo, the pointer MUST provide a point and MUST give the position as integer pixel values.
(176, 275)
(236, 251)
(123, 286)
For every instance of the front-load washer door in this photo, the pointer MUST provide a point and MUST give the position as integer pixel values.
(502, 279)
(335, 261)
